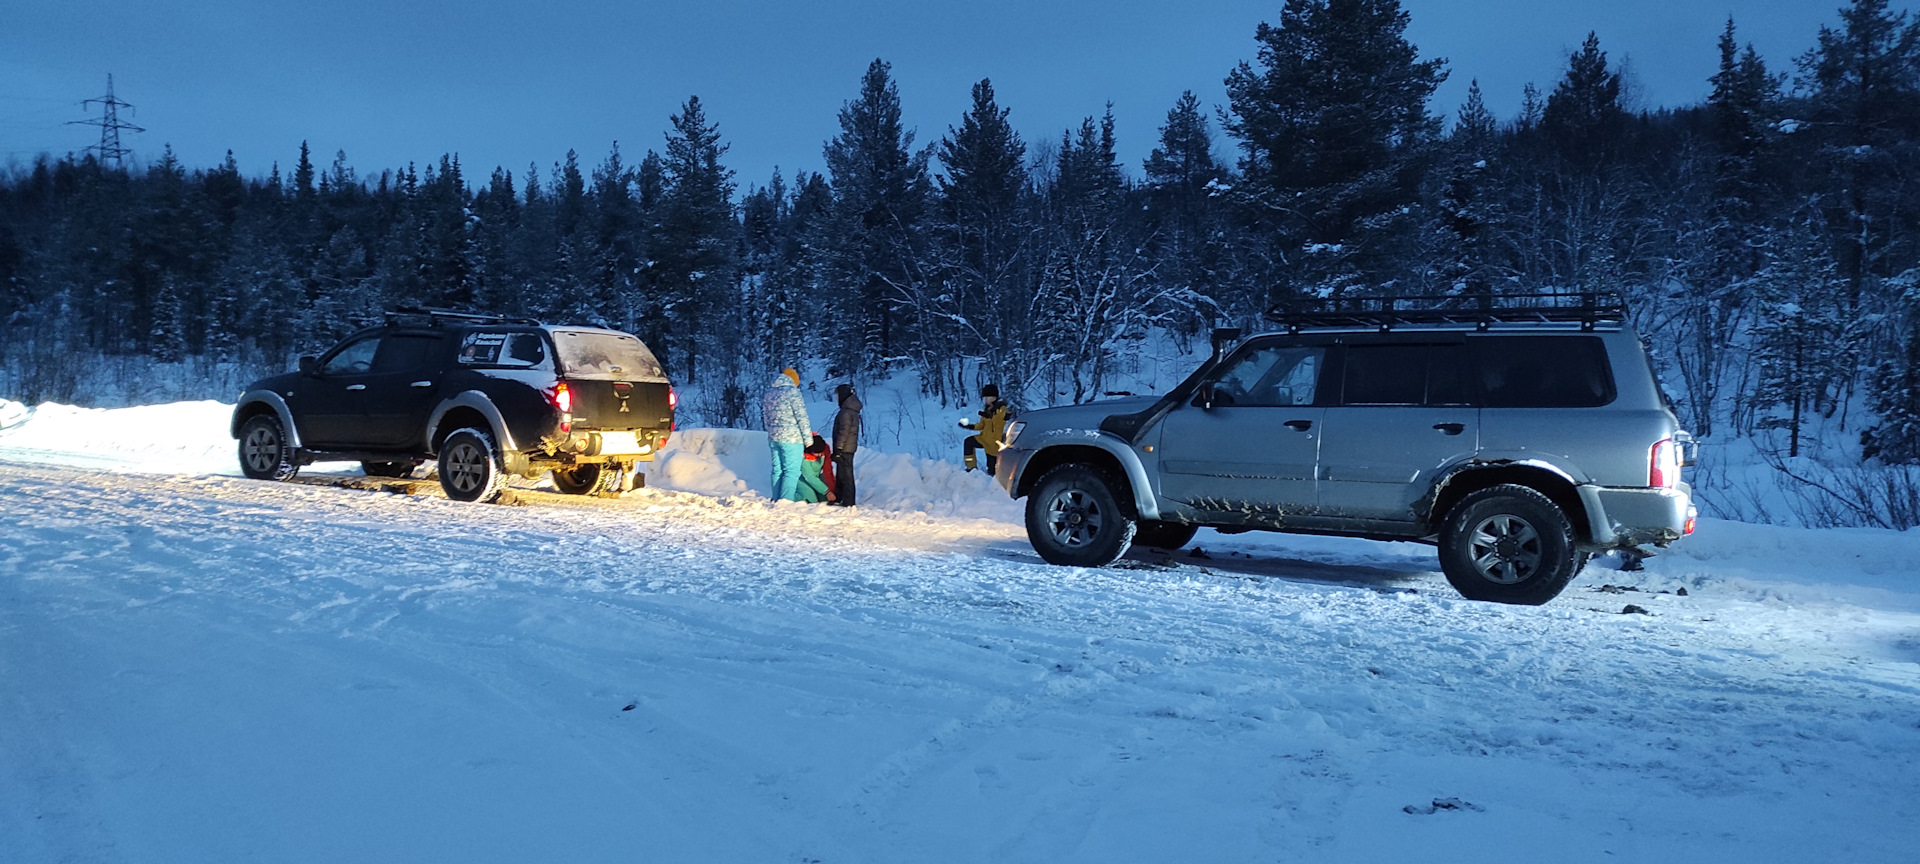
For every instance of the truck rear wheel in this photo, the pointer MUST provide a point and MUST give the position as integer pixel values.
(1508, 544)
(592, 478)
(1075, 519)
(469, 469)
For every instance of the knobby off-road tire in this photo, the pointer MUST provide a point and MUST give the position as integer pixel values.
(589, 479)
(1155, 534)
(265, 453)
(1509, 544)
(388, 469)
(469, 468)
(1075, 519)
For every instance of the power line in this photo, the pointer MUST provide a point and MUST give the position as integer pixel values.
(110, 125)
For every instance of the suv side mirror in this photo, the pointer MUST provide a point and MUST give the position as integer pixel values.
(1203, 398)
(309, 365)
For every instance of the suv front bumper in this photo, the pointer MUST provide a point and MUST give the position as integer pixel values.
(1632, 516)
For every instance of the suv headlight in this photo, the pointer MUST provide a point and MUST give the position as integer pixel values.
(1013, 431)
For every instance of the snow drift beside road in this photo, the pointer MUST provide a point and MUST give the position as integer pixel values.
(176, 438)
(194, 438)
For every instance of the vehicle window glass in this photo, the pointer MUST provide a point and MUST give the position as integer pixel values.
(406, 352)
(520, 349)
(1385, 375)
(1542, 371)
(1447, 375)
(1267, 377)
(525, 349)
(608, 354)
(355, 358)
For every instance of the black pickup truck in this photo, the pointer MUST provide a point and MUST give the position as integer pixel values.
(485, 396)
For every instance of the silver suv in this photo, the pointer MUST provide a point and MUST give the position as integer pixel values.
(1520, 440)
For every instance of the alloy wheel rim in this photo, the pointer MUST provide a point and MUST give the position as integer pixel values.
(263, 449)
(464, 466)
(1074, 517)
(1505, 549)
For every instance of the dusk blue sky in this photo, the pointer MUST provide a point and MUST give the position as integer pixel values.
(505, 83)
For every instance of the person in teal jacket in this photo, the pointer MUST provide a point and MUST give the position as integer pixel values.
(813, 479)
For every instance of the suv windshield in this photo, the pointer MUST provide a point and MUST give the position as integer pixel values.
(614, 355)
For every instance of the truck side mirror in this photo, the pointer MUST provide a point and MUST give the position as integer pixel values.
(1203, 397)
(309, 365)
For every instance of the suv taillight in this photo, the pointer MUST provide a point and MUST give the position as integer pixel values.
(1663, 464)
(673, 400)
(563, 398)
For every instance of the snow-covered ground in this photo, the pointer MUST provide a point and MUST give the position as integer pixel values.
(198, 667)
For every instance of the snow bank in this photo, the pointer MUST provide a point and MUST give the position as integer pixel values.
(736, 462)
(175, 438)
(193, 438)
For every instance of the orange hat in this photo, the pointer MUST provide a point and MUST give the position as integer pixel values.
(790, 373)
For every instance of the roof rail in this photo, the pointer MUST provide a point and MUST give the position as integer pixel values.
(1588, 309)
(439, 317)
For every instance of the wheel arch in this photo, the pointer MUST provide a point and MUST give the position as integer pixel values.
(1107, 455)
(1471, 477)
(469, 408)
(256, 402)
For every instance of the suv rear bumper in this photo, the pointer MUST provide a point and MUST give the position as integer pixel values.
(1633, 516)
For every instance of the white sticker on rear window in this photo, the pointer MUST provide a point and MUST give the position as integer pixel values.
(482, 348)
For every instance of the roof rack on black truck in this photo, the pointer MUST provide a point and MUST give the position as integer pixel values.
(1519, 434)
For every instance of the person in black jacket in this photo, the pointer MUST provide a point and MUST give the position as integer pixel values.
(846, 439)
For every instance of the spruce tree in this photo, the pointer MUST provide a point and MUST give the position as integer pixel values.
(873, 249)
(694, 251)
(984, 234)
(1331, 127)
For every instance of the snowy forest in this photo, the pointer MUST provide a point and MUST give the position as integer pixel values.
(1767, 239)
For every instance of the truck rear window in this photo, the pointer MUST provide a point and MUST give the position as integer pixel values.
(606, 355)
(1542, 371)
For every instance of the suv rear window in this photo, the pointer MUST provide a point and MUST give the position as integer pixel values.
(614, 355)
(1542, 371)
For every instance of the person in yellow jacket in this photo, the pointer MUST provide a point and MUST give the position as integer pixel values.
(991, 426)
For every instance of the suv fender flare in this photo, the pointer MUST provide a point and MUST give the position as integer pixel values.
(476, 401)
(1580, 510)
(1147, 506)
(273, 401)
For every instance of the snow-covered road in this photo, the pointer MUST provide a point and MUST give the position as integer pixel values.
(201, 668)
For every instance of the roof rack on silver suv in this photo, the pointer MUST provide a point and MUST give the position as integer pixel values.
(1588, 309)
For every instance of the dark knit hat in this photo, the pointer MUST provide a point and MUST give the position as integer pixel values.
(989, 390)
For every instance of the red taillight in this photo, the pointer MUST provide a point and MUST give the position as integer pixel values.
(1663, 464)
(563, 398)
(1689, 527)
(673, 400)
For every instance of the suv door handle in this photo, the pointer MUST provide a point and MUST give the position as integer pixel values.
(422, 384)
(356, 386)
(1451, 428)
(1299, 425)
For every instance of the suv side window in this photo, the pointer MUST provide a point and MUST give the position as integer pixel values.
(405, 352)
(1276, 376)
(356, 358)
(1543, 371)
(1405, 375)
(1385, 375)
